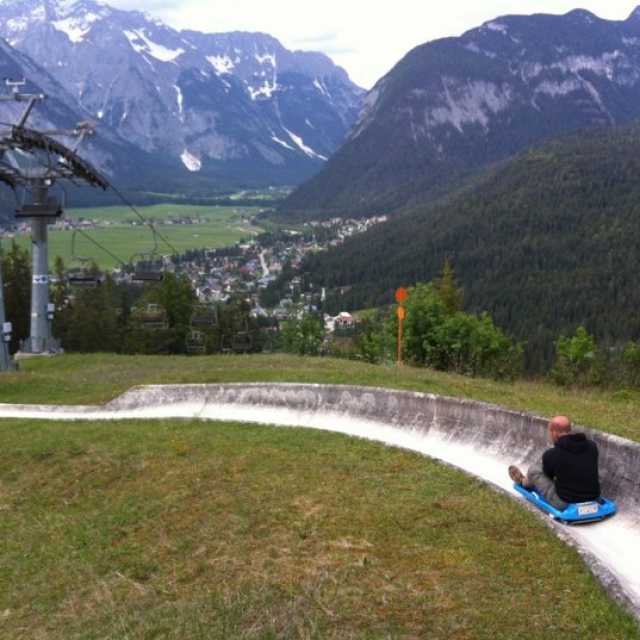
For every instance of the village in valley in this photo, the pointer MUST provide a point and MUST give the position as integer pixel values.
(245, 269)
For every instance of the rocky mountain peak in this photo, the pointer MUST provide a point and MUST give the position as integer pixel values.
(202, 101)
(634, 16)
(453, 105)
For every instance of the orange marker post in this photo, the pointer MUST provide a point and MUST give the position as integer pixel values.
(401, 296)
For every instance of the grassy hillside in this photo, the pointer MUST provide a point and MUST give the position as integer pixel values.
(185, 529)
(192, 530)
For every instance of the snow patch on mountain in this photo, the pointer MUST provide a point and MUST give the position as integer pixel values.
(190, 161)
(597, 99)
(75, 30)
(221, 64)
(530, 70)
(180, 99)
(556, 89)
(496, 26)
(75, 27)
(319, 85)
(469, 103)
(603, 65)
(368, 109)
(280, 141)
(142, 44)
(475, 48)
(266, 90)
(267, 57)
(301, 145)
(18, 26)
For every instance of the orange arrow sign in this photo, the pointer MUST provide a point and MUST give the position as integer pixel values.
(401, 294)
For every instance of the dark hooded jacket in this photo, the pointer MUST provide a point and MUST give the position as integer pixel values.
(573, 464)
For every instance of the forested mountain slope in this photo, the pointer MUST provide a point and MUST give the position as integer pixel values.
(452, 106)
(544, 242)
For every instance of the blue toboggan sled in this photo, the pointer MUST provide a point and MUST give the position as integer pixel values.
(579, 513)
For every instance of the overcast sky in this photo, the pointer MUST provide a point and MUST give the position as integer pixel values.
(365, 37)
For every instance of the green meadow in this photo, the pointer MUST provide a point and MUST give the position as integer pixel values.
(118, 241)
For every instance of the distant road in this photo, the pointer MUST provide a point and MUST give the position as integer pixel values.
(263, 262)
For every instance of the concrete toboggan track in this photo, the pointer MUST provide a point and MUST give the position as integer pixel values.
(478, 438)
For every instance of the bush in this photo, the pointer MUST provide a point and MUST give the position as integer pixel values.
(579, 361)
(439, 335)
(304, 337)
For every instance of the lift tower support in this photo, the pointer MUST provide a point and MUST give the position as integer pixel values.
(35, 161)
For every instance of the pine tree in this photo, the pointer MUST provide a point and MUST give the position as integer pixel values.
(16, 272)
(448, 288)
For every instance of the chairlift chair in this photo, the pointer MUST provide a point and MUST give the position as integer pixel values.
(147, 276)
(153, 317)
(204, 314)
(196, 342)
(143, 266)
(82, 273)
(49, 209)
(242, 342)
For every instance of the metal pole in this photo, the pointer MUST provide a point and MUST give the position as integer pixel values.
(5, 332)
(400, 321)
(40, 340)
(39, 286)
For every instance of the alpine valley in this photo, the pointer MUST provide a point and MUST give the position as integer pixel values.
(511, 151)
(178, 111)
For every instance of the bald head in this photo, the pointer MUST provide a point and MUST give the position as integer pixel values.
(559, 426)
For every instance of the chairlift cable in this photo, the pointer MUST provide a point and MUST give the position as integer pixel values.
(100, 246)
(147, 222)
(156, 233)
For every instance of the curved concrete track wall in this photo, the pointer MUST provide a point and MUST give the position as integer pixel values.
(479, 438)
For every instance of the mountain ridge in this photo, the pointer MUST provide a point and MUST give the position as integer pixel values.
(454, 105)
(210, 104)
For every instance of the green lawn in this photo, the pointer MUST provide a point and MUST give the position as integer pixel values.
(174, 529)
(180, 529)
(220, 226)
(162, 212)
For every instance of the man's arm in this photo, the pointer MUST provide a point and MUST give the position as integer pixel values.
(548, 466)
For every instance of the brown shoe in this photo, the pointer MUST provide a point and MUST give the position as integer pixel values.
(516, 475)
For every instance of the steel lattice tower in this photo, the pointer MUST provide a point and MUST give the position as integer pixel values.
(33, 161)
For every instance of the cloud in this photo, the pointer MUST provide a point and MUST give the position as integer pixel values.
(318, 38)
(366, 38)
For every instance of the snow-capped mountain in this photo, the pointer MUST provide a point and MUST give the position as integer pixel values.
(454, 105)
(61, 111)
(238, 106)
